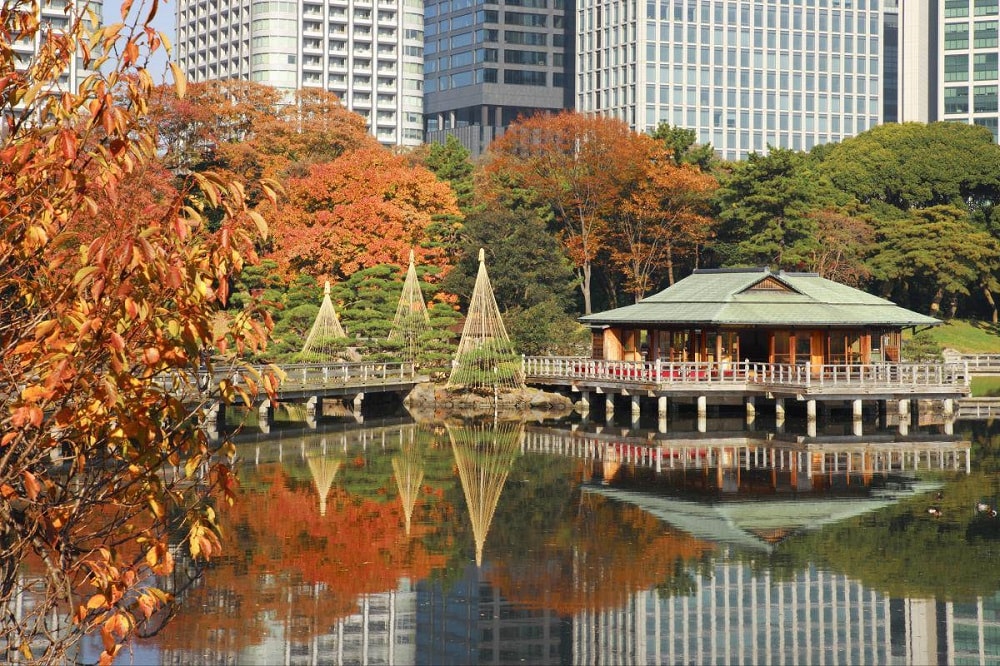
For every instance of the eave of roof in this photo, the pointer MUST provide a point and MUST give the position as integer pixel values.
(721, 299)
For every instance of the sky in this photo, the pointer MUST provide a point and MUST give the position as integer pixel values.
(163, 22)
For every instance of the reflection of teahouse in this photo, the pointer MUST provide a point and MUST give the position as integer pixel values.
(408, 470)
(485, 456)
(323, 470)
(728, 315)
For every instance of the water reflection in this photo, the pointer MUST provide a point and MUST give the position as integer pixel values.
(474, 543)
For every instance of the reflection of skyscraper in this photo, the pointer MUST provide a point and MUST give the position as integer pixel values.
(738, 615)
(973, 630)
(469, 622)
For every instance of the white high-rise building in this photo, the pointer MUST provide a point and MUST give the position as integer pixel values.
(744, 74)
(968, 67)
(368, 52)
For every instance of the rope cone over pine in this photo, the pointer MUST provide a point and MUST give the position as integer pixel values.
(484, 456)
(412, 319)
(324, 471)
(485, 359)
(327, 338)
(408, 470)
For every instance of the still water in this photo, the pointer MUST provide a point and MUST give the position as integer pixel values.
(558, 542)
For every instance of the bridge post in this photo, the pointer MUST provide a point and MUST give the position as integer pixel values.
(265, 415)
(661, 413)
(779, 411)
(357, 407)
(635, 409)
(584, 402)
(856, 408)
(949, 406)
(751, 403)
(314, 409)
(702, 406)
(609, 407)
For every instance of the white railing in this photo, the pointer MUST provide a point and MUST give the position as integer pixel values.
(977, 362)
(749, 373)
(318, 375)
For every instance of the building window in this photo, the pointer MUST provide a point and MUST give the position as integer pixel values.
(956, 100)
(956, 67)
(984, 66)
(987, 7)
(525, 19)
(956, 8)
(986, 34)
(524, 57)
(523, 78)
(990, 123)
(956, 36)
(984, 99)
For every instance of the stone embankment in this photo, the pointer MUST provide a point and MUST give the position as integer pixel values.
(437, 398)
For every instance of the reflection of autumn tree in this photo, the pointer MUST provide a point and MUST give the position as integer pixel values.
(300, 567)
(600, 555)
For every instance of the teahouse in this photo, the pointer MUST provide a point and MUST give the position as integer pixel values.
(728, 315)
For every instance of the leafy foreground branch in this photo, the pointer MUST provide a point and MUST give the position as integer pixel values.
(111, 287)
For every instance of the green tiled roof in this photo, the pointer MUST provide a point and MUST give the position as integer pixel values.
(725, 297)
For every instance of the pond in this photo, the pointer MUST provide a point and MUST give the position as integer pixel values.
(568, 542)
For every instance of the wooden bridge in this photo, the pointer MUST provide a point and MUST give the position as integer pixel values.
(978, 364)
(748, 381)
(308, 383)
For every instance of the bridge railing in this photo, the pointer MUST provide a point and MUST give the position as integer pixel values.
(803, 375)
(317, 375)
(977, 362)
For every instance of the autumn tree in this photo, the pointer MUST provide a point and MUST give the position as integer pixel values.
(580, 166)
(365, 208)
(96, 324)
(666, 217)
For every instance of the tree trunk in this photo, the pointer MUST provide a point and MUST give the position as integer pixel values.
(936, 303)
(670, 265)
(989, 299)
(585, 287)
(952, 306)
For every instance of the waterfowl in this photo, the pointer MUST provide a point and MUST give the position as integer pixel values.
(934, 511)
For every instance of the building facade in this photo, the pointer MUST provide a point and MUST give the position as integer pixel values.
(368, 52)
(488, 62)
(968, 67)
(745, 75)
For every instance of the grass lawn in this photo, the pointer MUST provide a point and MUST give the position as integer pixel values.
(985, 387)
(968, 336)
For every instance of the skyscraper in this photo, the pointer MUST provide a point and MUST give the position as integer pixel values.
(744, 75)
(968, 66)
(368, 52)
(487, 62)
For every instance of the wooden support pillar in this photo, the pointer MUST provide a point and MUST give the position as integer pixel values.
(856, 408)
(948, 405)
(635, 409)
(779, 413)
(702, 406)
(609, 407)
(584, 403)
(661, 413)
(751, 403)
(811, 410)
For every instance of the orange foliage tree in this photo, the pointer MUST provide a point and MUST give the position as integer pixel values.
(609, 552)
(666, 216)
(95, 322)
(365, 208)
(581, 166)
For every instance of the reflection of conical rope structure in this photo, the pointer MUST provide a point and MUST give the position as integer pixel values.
(485, 356)
(408, 469)
(411, 319)
(326, 338)
(484, 455)
(323, 471)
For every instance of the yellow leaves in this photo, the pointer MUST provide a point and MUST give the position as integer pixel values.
(259, 221)
(180, 81)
